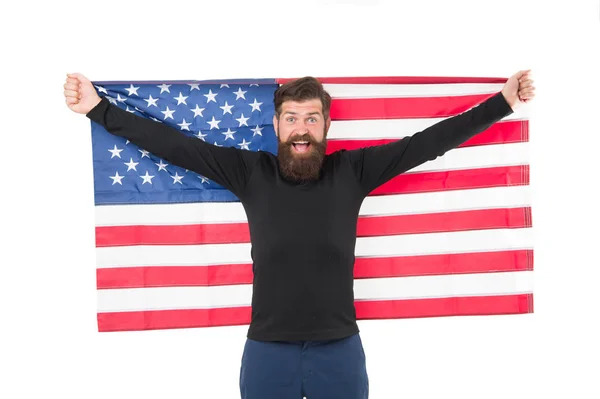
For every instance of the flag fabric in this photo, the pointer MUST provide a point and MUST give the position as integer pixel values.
(451, 237)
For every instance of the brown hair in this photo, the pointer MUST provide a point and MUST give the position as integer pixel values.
(306, 88)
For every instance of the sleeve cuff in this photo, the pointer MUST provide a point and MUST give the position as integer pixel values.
(98, 111)
(498, 102)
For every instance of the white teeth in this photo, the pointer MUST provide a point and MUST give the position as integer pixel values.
(300, 142)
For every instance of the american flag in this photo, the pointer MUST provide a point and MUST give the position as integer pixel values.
(450, 237)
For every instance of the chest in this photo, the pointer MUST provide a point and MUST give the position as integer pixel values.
(325, 208)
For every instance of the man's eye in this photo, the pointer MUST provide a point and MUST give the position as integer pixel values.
(312, 119)
(290, 119)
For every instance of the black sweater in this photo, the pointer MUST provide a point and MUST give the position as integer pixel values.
(302, 235)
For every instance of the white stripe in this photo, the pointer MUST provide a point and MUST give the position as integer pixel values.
(167, 214)
(362, 90)
(395, 245)
(446, 201)
(478, 157)
(417, 287)
(396, 204)
(395, 128)
(445, 242)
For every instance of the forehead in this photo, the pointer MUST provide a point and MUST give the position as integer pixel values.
(302, 107)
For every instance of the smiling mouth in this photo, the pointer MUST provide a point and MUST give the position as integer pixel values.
(301, 146)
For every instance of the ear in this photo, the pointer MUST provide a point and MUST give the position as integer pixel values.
(327, 125)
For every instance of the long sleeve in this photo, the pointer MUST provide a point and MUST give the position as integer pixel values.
(227, 166)
(376, 165)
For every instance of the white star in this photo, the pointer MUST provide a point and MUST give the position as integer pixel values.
(201, 136)
(151, 101)
(218, 144)
(255, 106)
(112, 100)
(244, 145)
(162, 166)
(133, 90)
(224, 85)
(121, 99)
(194, 86)
(177, 178)
(181, 99)
(131, 164)
(214, 124)
(253, 84)
(197, 111)
(239, 94)
(242, 120)
(115, 152)
(210, 96)
(144, 153)
(257, 130)
(101, 89)
(130, 110)
(168, 113)
(127, 142)
(229, 134)
(164, 87)
(147, 178)
(116, 178)
(226, 108)
(154, 119)
(204, 179)
(184, 125)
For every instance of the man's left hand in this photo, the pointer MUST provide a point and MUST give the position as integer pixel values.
(519, 89)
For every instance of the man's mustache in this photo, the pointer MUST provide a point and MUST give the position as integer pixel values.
(304, 137)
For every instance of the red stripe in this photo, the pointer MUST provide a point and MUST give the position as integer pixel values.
(226, 233)
(403, 107)
(421, 182)
(173, 276)
(455, 306)
(443, 222)
(167, 319)
(411, 308)
(401, 80)
(398, 266)
(422, 265)
(498, 133)
(368, 226)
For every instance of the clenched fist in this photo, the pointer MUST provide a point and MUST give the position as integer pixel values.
(519, 89)
(80, 94)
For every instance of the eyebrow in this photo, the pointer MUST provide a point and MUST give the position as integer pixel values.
(295, 113)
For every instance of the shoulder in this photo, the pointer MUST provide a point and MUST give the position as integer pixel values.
(261, 159)
(342, 156)
(253, 157)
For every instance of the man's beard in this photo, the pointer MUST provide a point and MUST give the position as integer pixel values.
(301, 167)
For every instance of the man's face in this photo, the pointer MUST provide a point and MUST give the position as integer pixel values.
(302, 136)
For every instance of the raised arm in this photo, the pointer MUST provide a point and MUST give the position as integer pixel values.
(227, 166)
(376, 165)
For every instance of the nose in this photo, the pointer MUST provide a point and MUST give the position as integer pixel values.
(302, 128)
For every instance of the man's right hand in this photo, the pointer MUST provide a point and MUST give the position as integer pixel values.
(80, 94)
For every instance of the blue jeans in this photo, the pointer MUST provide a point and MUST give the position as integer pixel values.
(313, 369)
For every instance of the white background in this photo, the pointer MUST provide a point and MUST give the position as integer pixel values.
(50, 346)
